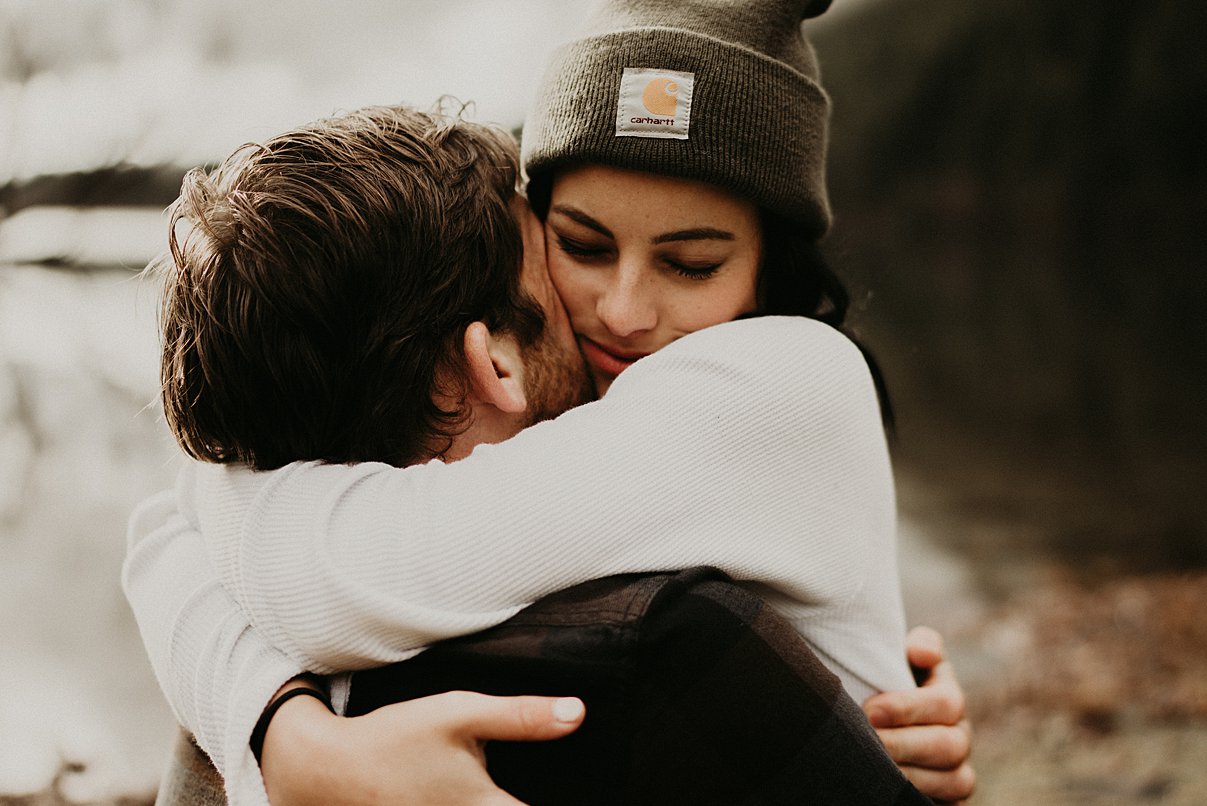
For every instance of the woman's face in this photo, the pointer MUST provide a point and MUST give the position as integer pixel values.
(640, 260)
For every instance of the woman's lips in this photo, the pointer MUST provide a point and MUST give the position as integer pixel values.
(607, 360)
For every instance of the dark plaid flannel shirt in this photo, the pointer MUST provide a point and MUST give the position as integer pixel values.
(697, 692)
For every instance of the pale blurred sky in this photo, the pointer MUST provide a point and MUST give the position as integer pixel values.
(86, 83)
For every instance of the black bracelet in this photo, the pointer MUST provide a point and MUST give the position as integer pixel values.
(261, 729)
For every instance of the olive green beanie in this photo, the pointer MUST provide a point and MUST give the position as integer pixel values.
(723, 91)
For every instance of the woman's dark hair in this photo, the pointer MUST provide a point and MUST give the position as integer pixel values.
(795, 279)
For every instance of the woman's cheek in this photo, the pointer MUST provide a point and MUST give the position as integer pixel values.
(572, 286)
(712, 306)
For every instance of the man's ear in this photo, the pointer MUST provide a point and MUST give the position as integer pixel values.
(494, 369)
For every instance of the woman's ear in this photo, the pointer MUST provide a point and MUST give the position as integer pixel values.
(494, 369)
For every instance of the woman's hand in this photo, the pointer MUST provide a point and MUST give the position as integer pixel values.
(925, 729)
(422, 751)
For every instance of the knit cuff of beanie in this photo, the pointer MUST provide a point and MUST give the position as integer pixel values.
(758, 126)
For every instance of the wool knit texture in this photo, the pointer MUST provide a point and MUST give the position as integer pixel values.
(758, 114)
(754, 446)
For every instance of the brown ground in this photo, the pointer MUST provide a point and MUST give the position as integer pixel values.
(1077, 622)
(1087, 693)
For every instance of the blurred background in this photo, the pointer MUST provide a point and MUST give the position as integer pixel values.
(1020, 208)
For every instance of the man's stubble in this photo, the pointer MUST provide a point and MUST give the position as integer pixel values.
(557, 378)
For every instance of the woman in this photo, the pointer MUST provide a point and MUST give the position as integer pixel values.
(749, 238)
(703, 116)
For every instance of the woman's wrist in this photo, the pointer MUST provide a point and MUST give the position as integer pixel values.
(300, 746)
(301, 686)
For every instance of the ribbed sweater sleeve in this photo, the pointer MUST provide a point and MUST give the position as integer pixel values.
(216, 672)
(754, 446)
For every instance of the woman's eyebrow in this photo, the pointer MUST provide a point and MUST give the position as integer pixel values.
(574, 214)
(698, 234)
(694, 234)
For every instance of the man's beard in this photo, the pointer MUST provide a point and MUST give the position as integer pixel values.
(557, 378)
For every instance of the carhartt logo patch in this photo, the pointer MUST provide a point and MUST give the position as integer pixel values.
(654, 103)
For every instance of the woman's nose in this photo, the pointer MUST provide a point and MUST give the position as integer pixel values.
(627, 305)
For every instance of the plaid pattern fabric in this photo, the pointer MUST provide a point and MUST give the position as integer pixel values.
(696, 692)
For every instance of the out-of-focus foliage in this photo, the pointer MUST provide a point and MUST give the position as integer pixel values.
(87, 85)
(120, 184)
(1021, 184)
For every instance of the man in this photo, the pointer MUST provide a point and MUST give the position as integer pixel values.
(348, 293)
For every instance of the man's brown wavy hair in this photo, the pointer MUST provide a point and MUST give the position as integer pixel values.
(318, 287)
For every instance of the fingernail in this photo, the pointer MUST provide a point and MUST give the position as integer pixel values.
(568, 709)
(878, 717)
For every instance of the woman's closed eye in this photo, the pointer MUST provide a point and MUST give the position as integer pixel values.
(694, 270)
(581, 249)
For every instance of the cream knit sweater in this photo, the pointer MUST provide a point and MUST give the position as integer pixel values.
(754, 446)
